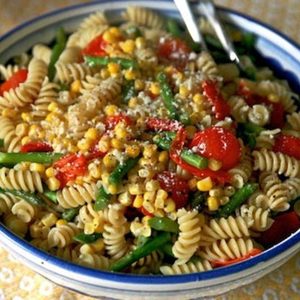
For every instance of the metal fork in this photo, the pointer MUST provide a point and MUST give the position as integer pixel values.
(208, 10)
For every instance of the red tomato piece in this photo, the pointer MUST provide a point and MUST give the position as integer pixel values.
(222, 263)
(220, 107)
(145, 212)
(218, 143)
(174, 49)
(69, 167)
(14, 81)
(112, 121)
(277, 115)
(287, 144)
(36, 147)
(178, 187)
(95, 47)
(163, 124)
(284, 225)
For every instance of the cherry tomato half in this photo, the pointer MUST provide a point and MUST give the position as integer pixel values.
(218, 143)
(287, 144)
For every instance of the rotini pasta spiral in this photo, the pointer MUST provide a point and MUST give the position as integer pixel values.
(76, 195)
(96, 19)
(259, 115)
(206, 64)
(145, 17)
(239, 108)
(258, 199)
(293, 185)
(276, 191)
(12, 141)
(266, 160)
(6, 202)
(189, 236)
(190, 267)
(226, 249)
(294, 120)
(24, 211)
(94, 261)
(68, 253)
(42, 52)
(8, 71)
(62, 236)
(70, 55)
(15, 224)
(20, 180)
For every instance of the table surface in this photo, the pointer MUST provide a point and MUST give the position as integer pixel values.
(17, 282)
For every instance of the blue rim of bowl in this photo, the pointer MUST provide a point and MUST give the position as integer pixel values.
(152, 279)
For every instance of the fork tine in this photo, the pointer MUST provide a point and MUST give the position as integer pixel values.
(208, 9)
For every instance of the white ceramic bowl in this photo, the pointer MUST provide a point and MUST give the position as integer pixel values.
(280, 52)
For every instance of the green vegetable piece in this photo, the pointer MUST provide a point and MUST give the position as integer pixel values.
(186, 154)
(142, 240)
(121, 170)
(154, 244)
(102, 199)
(70, 214)
(248, 133)
(128, 90)
(87, 238)
(167, 249)
(1, 142)
(237, 199)
(31, 198)
(174, 28)
(58, 48)
(133, 32)
(167, 95)
(163, 224)
(198, 200)
(104, 61)
(213, 42)
(248, 40)
(37, 157)
(51, 195)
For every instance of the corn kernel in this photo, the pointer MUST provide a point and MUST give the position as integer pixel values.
(98, 245)
(132, 150)
(50, 172)
(159, 213)
(9, 113)
(111, 110)
(49, 219)
(53, 106)
(170, 205)
(25, 140)
(149, 196)
(75, 87)
(135, 188)
(109, 37)
(109, 161)
(205, 184)
(51, 117)
(162, 194)
(91, 134)
(104, 73)
(148, 206)
(192, 184)
(33, 130)
(95, 172)
(113, 68)
(138, 201)
(150, 150)
(132, 103)
(152, 185)
(191, 130)
(115, 31)
(121, 132)
(128, 46)
(117, 144)
(183, 91)
(198, 98)
(86, 249)
(112, 189)
(273, 98)
(159, 203)
(140, 42)
(163, 156)
(72, 148)
(154, 88)
(213, 203)
(214, 164)
(130, 74)
(26, 117)
(61, 222)
(125, 198)
(79, 180)
(89, 228)
(35, 167)
(139, 84)
(104, 144)
(84, 144)
(53, 184)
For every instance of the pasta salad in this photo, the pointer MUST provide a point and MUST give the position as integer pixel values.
(128, 148)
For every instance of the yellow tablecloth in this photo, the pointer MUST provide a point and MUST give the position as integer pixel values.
(18, 282)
